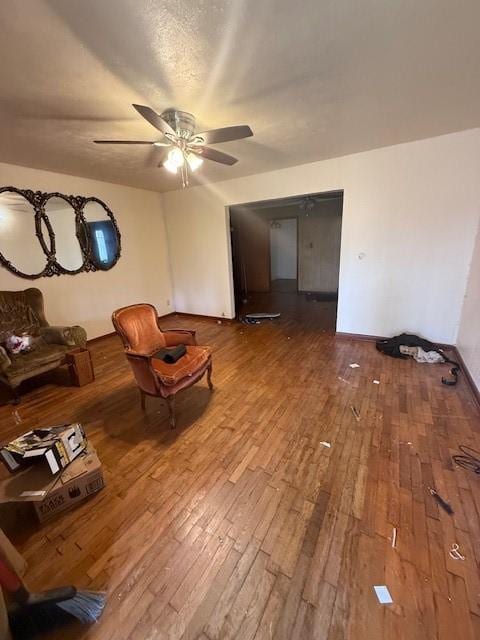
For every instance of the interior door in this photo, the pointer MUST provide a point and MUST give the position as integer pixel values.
(253, 250)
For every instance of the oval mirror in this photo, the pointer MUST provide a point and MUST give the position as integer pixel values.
(19, 244)
(103, 237)
(63, 220)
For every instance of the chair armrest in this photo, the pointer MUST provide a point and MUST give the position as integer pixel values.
(5, 361)
(70, 336)
(173, 337)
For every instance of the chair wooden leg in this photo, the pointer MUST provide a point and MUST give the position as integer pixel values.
(142, 399)
(171, 410)
(209, 377)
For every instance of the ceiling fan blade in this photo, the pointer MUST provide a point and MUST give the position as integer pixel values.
(154, 119)
(225, 134)
(213, 154)
(123, 142)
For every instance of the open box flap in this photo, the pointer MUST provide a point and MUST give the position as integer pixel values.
(36, 482)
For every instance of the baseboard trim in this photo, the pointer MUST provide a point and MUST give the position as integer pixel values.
(167, 316)
(450, 347)
(468, 375)
(199, 316)
(368, 338)
(358, 336)
(98, 338)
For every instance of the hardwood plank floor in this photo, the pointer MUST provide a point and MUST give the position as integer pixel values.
(242, 523)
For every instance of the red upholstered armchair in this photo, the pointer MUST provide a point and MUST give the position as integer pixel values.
(142, 337)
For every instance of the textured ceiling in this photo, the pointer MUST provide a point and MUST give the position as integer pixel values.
(314, 79)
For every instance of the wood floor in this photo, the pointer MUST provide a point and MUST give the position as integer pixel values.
(294, 306)
(242, 524)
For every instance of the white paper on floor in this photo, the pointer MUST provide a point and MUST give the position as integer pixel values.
(354, 410)
(326, 444)
(376, 382)
(354, 365)
(383, 594)
(394, 537)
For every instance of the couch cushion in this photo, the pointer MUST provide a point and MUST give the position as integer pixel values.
(192, 361)
(43, 354)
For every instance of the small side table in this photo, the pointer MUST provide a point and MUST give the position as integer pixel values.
(80, 366)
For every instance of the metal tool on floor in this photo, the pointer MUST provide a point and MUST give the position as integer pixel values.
(443, 503)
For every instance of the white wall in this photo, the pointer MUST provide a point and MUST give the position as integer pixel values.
(141, 274)
(283, 249)
(468, 342)
(409, 219)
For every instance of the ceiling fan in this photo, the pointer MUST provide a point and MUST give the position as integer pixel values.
(187, 147)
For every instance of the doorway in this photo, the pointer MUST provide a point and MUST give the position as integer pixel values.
(283, 254)
(286, 257)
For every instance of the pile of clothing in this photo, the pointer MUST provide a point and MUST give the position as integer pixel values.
(408, 345)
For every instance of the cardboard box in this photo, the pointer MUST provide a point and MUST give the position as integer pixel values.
(51, 495)
(58, 446)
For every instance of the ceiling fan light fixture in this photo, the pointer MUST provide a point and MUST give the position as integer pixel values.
(176, 157)
(194, 161)
(170, 166)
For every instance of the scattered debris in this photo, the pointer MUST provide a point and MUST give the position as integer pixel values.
(219, 322)
(354, 365)
(17, 417)
(443, 503)
(470, 459)
(376, 382)
(455, 552)
(383, 594)
(326, 444)
(355, 413)
(343, 379)
(288, 338)
(394, 537)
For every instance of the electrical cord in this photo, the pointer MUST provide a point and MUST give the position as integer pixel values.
(470, 460)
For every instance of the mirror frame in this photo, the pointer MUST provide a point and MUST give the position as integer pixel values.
(79, 221)
(38, 201)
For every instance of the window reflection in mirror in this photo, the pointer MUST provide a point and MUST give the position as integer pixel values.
(102, 235)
